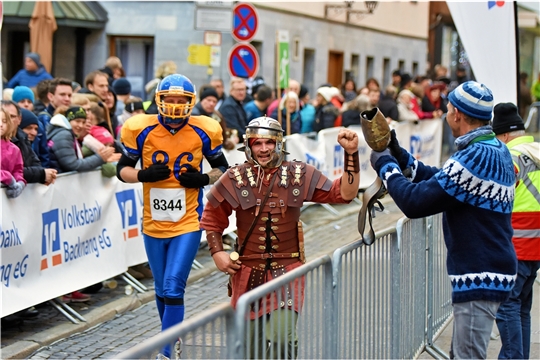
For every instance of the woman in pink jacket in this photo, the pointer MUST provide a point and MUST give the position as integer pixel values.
(11, 162)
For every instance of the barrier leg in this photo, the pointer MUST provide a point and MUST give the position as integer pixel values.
(330, 209)
(436, 352)
(65, 310)
(134, 282)
(196, 265)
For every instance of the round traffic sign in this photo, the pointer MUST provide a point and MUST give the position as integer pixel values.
(243, 61)
(245, 22)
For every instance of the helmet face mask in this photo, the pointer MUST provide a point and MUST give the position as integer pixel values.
(265, 128)
(178, 86)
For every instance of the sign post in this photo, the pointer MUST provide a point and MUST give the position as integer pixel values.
(282, 71)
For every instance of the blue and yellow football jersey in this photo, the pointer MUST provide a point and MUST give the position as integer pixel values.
(169, 208)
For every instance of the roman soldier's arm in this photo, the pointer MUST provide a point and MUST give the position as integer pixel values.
(350, 180)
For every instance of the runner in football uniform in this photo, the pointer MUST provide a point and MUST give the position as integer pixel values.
(170, 147)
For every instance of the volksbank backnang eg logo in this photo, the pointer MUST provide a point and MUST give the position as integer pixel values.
(51, 254)
(128, 211)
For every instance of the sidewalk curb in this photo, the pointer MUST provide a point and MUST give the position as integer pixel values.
(23, 349)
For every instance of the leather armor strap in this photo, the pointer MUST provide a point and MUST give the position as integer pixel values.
(352, 162)
(215, 242)
(352, 165)
(256, 220)
(265, 256)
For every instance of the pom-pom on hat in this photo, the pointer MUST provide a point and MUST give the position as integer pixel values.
(473, 99)
(506, 119)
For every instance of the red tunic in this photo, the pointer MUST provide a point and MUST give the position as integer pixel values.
(216, 214)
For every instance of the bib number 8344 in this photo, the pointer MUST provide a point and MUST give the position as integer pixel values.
(161, 204)
(167, 204)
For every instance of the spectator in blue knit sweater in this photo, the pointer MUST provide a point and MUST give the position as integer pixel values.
(475, 191)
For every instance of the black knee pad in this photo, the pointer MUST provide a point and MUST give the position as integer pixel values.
(171, 301)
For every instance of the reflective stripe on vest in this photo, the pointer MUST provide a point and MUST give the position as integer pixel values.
(530, 234)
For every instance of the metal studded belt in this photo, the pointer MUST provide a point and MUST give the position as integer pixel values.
(265, 256)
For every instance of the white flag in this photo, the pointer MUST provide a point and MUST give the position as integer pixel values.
(487, 31)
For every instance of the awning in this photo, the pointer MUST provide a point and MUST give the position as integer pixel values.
(85, 14)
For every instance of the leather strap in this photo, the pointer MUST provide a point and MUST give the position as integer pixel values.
(352, 162)
(215, 242)
(256, 220)
(265, 256)
(371, 197)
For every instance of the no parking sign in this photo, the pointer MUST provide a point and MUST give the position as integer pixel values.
(245, 22)
(243, 61)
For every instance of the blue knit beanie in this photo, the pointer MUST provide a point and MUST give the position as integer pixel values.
(473, 99)
(22, 92)
(27, 118)
(121, 86)
(35, 58)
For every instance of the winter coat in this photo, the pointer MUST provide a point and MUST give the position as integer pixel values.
(234, 115)
(296, 120)
(11, 164)
(325, 116)
(33, 171)
(64, 150)
(27, 78)
(350, 117)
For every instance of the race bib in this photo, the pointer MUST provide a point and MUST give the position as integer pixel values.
(168, 204)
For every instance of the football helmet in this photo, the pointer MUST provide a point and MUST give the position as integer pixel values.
(179, 85)
(266, 128)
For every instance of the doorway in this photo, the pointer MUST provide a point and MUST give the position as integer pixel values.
(137, 55)
(335, 68)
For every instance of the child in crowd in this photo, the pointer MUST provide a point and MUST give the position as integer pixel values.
(11, 162)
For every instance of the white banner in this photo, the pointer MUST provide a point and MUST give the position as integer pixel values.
(423, 140)
(487, 31)
(55, 240)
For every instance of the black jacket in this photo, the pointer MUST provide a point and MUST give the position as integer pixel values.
(350, 117)
(235, 116)
(325, 116)
(389, 108)
(33, 172)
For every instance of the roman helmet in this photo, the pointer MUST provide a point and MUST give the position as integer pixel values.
(265, 128)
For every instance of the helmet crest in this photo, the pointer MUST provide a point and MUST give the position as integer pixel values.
(175, 85)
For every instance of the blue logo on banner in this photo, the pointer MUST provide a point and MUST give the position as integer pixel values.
(50, 240)
(128, 211)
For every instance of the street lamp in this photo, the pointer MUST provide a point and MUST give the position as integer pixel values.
(348, 9)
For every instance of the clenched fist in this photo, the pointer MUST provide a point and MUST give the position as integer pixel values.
(348, 140)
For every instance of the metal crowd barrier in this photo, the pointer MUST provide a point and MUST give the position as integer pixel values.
(388, 300)
(209, 335)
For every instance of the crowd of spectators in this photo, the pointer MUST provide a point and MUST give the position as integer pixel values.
(55, 125)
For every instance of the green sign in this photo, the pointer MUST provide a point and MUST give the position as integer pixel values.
(284, 57)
